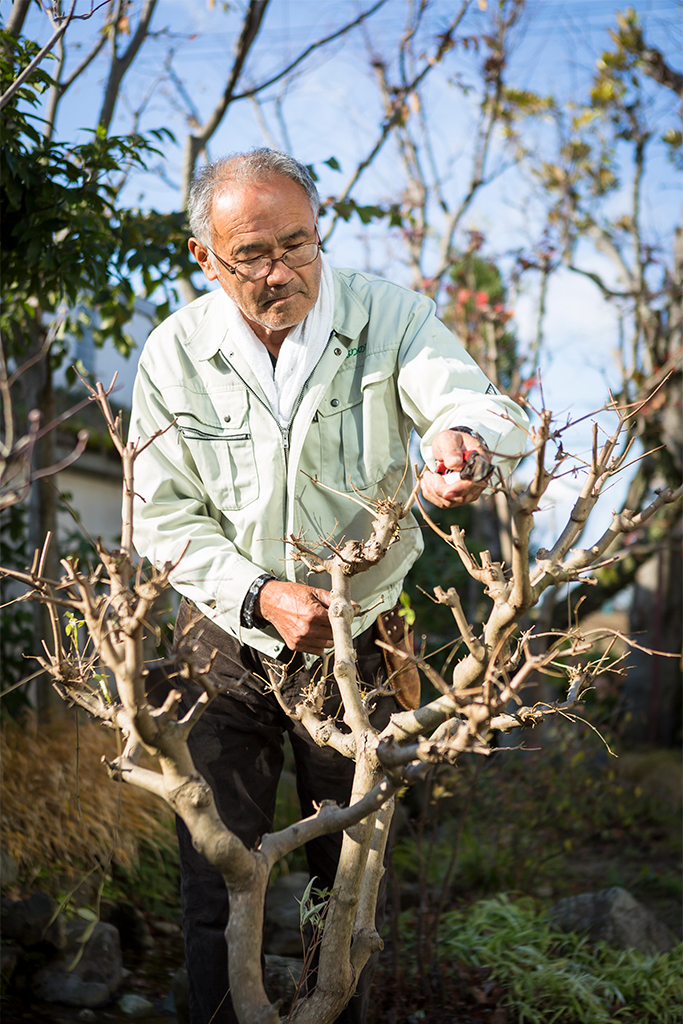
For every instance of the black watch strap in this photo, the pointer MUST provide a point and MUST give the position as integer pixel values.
(472, 433)
(248, 617)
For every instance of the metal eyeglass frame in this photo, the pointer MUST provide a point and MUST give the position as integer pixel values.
(273, 259)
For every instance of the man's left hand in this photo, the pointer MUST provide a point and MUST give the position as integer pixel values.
(449, 491)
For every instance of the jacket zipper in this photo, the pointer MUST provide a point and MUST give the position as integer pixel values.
(284, 431)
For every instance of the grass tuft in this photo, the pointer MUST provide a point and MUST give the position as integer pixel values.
(62, 814)
(549, 978)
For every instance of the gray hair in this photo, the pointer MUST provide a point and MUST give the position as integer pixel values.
(242, 169)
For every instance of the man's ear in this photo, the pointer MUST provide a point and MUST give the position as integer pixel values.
(201, 254)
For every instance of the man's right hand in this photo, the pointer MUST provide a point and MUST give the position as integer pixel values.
(299, 614)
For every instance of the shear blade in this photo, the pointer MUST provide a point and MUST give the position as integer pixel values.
(476, 468)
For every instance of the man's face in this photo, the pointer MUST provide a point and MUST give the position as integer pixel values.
(264, 219)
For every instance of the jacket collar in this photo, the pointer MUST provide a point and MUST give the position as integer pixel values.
(210, 331)
(350, 315)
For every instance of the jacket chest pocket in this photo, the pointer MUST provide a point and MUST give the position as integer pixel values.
(221, 445)
(361, 434)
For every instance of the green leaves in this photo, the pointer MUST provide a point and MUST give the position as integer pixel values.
(561, 978)
(310, 912)
(520, 103)
(66, 240)
(406, 610)
(346, 208)
(72, 626)
(673, 138)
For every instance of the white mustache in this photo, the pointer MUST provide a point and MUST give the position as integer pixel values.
(274, 296)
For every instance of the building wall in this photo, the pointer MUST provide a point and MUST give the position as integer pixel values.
(103, 363)
(96, 496)
(93, 483)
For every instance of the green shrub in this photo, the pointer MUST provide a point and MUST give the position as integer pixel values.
(548, 978)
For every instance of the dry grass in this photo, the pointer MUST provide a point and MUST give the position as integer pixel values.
(61, 811)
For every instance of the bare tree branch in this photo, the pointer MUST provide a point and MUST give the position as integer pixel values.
(60, 86)
(197, 141)
(28, 70)
(119, 65)
(445, 44)
(654, 65)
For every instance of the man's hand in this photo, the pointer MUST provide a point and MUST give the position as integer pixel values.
(299, 614)
(448, 491)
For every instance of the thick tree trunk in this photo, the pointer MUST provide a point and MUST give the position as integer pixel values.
(17, 17)
(654, 684)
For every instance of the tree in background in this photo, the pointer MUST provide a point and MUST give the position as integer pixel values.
(615, 144)
(586, 160)
(62, 258)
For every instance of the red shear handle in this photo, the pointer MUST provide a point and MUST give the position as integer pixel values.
(441, 468)
(475, 467)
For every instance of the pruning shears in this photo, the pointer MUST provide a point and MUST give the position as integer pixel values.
(475, 468)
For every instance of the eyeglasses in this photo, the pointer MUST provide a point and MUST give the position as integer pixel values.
(260, 266)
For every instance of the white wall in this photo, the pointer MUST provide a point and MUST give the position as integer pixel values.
(103, 362)
(93, 483)
(95, 495)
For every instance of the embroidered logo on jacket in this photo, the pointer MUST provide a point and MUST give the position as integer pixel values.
(355, 351)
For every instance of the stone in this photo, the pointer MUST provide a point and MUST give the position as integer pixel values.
(168, 1004)
(95, 977)
(281, 976)
(33, 920)
(134, 1006)
(167, 928)
(613, 916)
(88, 1016)
(282, 933)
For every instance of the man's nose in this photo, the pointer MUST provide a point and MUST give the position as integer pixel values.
(279, 273)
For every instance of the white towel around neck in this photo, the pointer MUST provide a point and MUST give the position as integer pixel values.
(300, 351)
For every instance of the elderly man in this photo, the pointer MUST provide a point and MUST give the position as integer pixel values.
(288, 374)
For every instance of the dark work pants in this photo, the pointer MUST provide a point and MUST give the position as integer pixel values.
(237, 745)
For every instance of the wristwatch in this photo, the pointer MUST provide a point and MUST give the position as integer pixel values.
(248, 617)
(472, 433)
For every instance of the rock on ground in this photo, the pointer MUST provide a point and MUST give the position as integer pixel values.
(8, 869)
(33, 920)
(179, 991)
(134, 1006)
(134, 932)
(95, 977)
(9, 956)
(614, 916)
(281, 976)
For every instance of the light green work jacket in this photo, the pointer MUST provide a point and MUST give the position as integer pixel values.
(223, 487)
